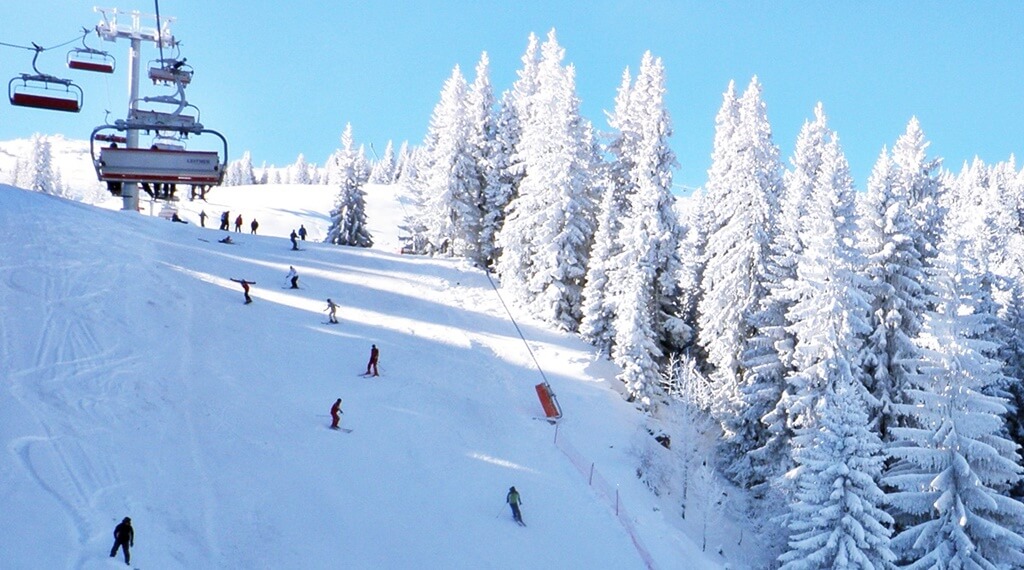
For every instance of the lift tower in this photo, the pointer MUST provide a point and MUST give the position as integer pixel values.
(131, 28)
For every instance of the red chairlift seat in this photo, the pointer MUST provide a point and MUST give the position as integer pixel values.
(112, 138)
(38, 91)
(88, 59)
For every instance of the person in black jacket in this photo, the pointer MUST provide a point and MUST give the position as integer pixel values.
(124, 536)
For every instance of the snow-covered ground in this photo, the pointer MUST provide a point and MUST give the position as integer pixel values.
(136, 383)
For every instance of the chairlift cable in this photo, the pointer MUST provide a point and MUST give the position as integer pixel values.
(159, 32)
(35, 47)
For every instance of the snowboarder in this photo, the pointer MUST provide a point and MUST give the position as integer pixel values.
(245, 288)
(202, 218)
(335, 414)
(238, 223)
(124, 536)
(227, 239)
(302, 232)
(514, 501)
(254, 225)
(295, 244)
(332, 310)
(372, 364)
(293, 276)
(224, 224)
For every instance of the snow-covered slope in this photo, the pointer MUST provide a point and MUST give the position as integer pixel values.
(136, 383)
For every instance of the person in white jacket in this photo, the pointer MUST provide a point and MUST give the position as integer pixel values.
(293, 276)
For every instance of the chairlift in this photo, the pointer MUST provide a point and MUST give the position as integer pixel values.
(170, 71)
(163, 141)
(163, 162)
(86, 58)
(42, 91)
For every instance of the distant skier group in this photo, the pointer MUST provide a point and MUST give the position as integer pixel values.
(295, 236)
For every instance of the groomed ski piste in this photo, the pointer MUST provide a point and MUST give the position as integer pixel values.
(137, 383)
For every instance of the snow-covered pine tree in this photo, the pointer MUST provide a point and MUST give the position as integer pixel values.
(384, 169)
(481, 148)
(829, 315)
(771, 352)
(500, 182)
(348, 218)
(240, 172)
(955, 466)
(363, 166)
(743, 188)
(599, 293)
(917, 177)
(901, 224)
(508, 169)
(449, 187)
(36, 171)
(333, 174)
(298, 173)
(548, 232)
(836, 517)
(400, 160)
(646, 324)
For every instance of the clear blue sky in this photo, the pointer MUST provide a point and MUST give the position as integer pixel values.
(279, 78)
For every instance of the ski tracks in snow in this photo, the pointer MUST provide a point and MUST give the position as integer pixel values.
(59, 365)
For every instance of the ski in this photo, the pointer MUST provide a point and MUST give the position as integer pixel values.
(329, 323)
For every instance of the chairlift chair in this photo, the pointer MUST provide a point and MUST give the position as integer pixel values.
(42, 91)
(86, 58)
(167, 165)
(170, 71)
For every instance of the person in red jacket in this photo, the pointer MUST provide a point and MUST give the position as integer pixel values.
(336, 414)
(372, 364)
(245, 288)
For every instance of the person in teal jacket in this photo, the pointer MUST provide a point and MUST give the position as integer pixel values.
(514, 501)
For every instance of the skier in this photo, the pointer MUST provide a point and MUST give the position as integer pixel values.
(238, 223)
(245, 288)
(335, 411)
(227, 239)
(302, 232)
(514, 501)
(332, 310)
(224, 224)
(112, 186)
(254, 225)
(202, 218)
(293, 276)
(124, 536)
(295, 244)
(374, 354)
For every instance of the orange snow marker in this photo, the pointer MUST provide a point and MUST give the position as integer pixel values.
(548, 401)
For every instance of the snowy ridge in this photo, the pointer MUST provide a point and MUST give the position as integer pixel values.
(138, 384)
